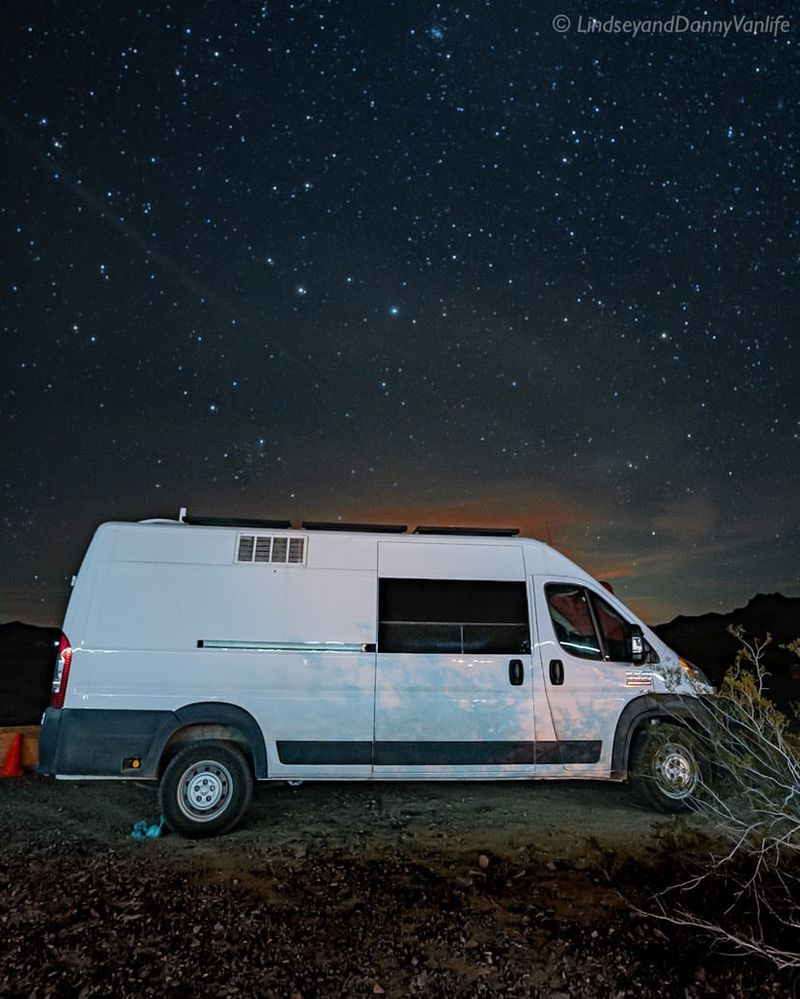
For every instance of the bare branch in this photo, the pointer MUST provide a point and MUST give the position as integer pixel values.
(751, 807)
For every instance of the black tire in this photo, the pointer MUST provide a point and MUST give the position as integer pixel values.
(668, 768)
(205, 789)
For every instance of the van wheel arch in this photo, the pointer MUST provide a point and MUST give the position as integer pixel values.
(202, 732)
(211, 721)
(639, 714)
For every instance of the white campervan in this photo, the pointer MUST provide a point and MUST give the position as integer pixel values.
(208, 653)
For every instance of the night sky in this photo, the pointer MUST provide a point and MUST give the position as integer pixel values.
(402, 262)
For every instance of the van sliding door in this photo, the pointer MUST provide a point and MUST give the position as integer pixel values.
(453, 676)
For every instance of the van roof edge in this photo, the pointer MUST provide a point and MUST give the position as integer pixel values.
(236, 522)
(480, 532)
(338, 525)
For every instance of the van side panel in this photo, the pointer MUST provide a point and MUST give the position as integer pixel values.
(154, 544)
(450, 560)
(86, 581)
(172, 607)
(292, 645)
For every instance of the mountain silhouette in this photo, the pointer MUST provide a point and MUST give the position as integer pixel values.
(706, 641)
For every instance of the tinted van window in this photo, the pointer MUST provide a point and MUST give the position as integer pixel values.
(453, 616)
(572, 620)
(613, 630)
(595, 631)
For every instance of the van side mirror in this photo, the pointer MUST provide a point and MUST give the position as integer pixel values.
(635, 643)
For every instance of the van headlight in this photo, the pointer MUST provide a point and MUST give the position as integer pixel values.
(694, 672)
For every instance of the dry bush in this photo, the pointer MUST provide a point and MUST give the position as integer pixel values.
(746, 893)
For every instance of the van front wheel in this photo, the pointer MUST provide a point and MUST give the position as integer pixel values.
(205, 789)
(667, 768)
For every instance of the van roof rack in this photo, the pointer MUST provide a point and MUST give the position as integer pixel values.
(479, 532)
(338, 525)
(235, 522)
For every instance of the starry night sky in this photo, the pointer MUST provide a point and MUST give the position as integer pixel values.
(402, 262)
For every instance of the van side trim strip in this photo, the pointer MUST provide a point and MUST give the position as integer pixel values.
(569, 751)
(344, 754)
(443, 754)
(205, 643)
(399, 754)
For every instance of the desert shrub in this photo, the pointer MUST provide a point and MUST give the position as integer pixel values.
(746, 892)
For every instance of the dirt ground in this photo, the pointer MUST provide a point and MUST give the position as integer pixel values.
(353, 889)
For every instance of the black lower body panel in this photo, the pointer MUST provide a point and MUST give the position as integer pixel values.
(48, 741)
(453, 754)
(444, 754)
(569, 751)
(77, 742)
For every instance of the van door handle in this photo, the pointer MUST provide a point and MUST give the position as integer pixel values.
(516, 672)
(556, 672)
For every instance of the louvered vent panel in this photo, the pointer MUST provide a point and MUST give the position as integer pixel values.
(279, 549)
(246, 546)
(262, 549)
(296, 546)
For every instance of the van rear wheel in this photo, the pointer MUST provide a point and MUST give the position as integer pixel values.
(668, 769)
(205, 789)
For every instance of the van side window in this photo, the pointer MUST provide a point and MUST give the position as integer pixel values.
(613, 630)
(591, 632)
(453, 616)
(572, 620)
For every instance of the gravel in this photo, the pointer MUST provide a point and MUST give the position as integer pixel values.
(354, 890)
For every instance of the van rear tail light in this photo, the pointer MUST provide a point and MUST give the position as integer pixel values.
(61, 675)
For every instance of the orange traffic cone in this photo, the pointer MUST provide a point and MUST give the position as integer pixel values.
(12, 763)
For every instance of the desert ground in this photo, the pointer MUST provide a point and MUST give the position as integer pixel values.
(354, 889)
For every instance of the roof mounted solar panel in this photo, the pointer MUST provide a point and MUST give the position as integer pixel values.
(474, 532)
(337, 525)
(280, 525)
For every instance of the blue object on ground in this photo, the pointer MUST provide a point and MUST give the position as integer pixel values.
(143, 830)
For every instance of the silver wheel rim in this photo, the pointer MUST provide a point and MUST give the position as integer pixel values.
(204, 791)
(675, 770)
